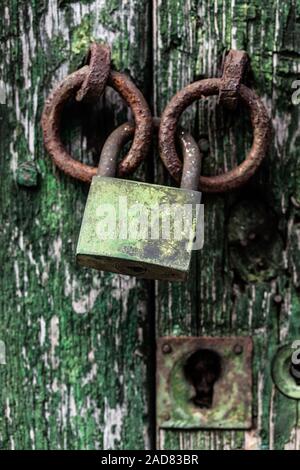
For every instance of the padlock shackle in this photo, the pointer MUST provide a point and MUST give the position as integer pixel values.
(112, 148)
(192, 161)
(192, 157)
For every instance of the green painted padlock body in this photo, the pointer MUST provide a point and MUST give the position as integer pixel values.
(125, 229)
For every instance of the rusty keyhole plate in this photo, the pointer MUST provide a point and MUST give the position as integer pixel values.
(231, 406)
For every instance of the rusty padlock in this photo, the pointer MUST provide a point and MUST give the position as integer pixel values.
(140, 229)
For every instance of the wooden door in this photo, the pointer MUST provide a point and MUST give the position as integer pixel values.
(80, 345)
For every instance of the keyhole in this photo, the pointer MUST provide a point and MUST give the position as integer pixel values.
(202, 369)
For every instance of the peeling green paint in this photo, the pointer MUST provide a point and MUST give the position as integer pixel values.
(73, 338)
(82, 36)
(229, 292)
(77, 390)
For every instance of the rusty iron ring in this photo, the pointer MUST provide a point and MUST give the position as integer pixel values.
(261, 131)
(121, 135)
(51, 119)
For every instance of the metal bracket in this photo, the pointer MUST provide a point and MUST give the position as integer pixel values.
(231, 406)
(234, 71)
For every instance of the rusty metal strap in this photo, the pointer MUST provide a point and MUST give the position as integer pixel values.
(235, 66)
(95, 81)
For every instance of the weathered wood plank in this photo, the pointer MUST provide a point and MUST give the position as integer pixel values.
(78, 363)
(76, 373)
(250, 251)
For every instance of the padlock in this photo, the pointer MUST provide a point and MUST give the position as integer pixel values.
(140, 229)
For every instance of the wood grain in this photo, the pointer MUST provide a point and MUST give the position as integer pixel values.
(79, 350)
(249, 255)
(76, 374)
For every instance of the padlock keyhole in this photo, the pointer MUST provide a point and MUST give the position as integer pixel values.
(202, 369)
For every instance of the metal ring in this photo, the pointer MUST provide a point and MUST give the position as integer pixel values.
(120, 136)
(52, 116)
(261, 131)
